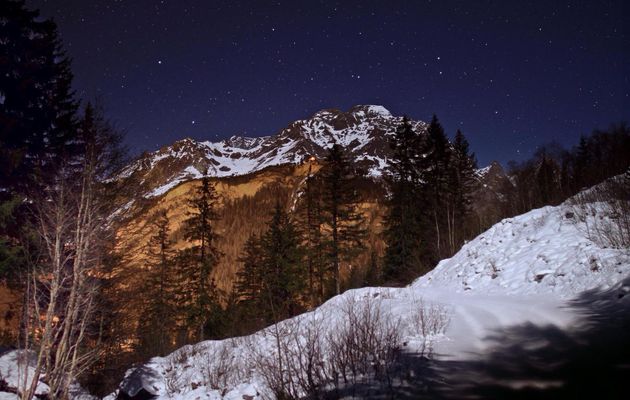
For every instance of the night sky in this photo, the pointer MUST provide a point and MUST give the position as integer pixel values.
(510, 74)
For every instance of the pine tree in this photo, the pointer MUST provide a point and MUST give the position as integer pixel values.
(38, 110)
(372, 275)
(403, 222)
(283, 274)
(311, 224)
(583, 163)
(546, 180)
(340, 210)
(37, 118)
(271, 284)
(462, 183)
(433, 164)
(157, 323)
(202, 257)
(249, 282)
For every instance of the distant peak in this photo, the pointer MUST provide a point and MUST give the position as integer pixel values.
(326, 112)
(371, 110)
(366, 109)
(181, 143)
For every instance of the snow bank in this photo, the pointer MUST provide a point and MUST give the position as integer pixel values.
(543, 251)
(17, 369)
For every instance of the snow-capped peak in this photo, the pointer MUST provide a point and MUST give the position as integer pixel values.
(371, 109)
(362, 131)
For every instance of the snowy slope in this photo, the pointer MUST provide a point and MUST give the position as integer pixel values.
(363, 131)
(522, 270)
(543, 251)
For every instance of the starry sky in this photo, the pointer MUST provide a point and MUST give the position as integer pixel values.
(510, 74)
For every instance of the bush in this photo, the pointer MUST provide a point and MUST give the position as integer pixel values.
(604, 211)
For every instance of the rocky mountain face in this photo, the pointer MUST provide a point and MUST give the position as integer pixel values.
(251, 174)
(490, 200)
(363, 131)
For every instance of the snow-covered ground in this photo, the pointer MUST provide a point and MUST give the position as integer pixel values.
(521, 272)
(17, 369)
(525, 271)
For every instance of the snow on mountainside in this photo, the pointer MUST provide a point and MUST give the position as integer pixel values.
(363, 131)
(521, 271)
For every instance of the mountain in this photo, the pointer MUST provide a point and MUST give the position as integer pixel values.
(363, 131)
(543, 284)
(490, 200)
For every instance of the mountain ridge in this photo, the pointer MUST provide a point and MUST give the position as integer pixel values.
(363, 131)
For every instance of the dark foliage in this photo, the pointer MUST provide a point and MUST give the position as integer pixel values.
(403, 229)
(340, 201)
(553, 174)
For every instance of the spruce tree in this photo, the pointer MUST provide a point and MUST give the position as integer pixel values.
(38, 111)
(583, 164)
(282, 274)
(311, 225)
(433, 165)
(202, 257)
(37, 119)
(403, 229)
(249, 282)
(340, 211)
(546, 180)
(462, 183)
(157, 322)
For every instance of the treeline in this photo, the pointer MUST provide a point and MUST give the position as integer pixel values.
(431, 182)
(553, 174)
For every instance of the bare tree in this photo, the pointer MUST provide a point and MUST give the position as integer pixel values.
(60, 323)
(62, 287)
(604, 211)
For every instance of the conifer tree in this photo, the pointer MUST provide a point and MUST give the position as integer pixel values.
(157, 322)
(38, 111)
(283, 274)
(582, 163)
(340, 210)
(433, 165)
(273, 277)
(38, 119)
(310, 214)
(462, 183)
(202, 257)
(403, 223)
(249, 283)
(372, 275)
(546, 180)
